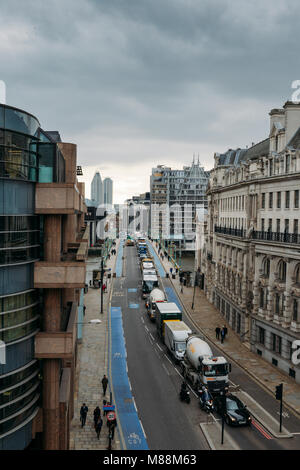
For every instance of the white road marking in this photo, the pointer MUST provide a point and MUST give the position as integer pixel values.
(134, 404)
(152, 336)
(159, 346)
(143, 429)
(168, 373)
(169, 360)
(146, 328)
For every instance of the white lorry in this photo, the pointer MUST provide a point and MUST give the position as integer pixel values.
(202, 368)
(175, 335)
(156, 295)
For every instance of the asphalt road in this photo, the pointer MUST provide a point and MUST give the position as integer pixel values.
(155, 380)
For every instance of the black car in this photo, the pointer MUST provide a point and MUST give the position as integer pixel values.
(236, 413)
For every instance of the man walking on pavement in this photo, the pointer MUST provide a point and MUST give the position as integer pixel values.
(83, 412)
(99, 426)
(97, 415)
(218, 330)
(222, 335)
(225, 331)
(104, 384)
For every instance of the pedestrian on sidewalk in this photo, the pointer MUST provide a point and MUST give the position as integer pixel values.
(218, 330)
(104, 287)
(97, 415)
(84, 309)
(90, 283)
(98, 426)
(225, 331)
(83, 413)
(104, 384)
(171, 270)
(222, 335)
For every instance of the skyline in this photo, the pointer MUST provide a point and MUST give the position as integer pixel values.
(137, 84)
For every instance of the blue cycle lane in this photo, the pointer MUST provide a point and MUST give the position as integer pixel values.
(131, 429)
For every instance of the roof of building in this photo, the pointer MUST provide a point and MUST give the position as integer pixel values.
(295, 140)
(54, 136)
(237, 156)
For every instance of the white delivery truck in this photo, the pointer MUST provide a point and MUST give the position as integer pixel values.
(175, 336)
(156, 295)
(201, 367)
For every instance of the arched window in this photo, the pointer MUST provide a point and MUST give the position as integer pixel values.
(297, 274)
(282, 271)
(266, 267)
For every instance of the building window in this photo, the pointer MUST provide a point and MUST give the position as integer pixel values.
(238, 326)
(296, 199)
(263, 200)
(295, 310)
(286, 225)
(276, 344)
(292, 373)
(271, 167)
(278, 225)
(295, 226)
(266, 267)
(287, 199)
(287, 163)
(261, 335)
(270, 225)
(279, 299)
(270, 200)
(278, 200)
(282, 271)
(262, 225)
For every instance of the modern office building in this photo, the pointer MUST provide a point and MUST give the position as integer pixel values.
(97, 189)
(107, 191)
(175, 197)
(251, 258)
(42, 272)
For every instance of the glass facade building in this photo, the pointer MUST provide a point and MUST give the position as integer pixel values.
(19, 301)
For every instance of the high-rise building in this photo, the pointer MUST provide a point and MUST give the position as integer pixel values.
(175, 197)
(97, 189)
(41, 280)
(107, 191)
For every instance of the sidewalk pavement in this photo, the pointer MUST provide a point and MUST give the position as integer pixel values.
(92, 364)
(207, 318)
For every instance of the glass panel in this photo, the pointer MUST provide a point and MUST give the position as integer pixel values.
(14, 422)
(19, 332)
(46, 162)
(19, 255)
(20, 121)
(12, 379)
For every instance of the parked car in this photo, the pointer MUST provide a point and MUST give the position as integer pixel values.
(236, 413)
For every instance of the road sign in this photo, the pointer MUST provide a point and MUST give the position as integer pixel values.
(111, 416)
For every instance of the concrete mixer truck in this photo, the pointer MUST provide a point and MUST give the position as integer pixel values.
(201, 367)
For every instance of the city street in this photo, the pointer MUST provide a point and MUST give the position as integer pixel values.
(155, 379)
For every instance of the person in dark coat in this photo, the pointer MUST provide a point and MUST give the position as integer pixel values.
(97, 415)
(98, 426)
(83, 413)
(222, 335)
(104, 384)
(225, 331)
(218, 330)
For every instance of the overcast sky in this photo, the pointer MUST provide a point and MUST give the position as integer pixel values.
(135, 83)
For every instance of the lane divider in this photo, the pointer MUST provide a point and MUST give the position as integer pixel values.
(131, 431)
(261, 430)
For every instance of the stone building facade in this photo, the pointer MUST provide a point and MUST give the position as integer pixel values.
(251, 257)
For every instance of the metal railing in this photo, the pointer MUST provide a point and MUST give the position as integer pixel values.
(281, 237)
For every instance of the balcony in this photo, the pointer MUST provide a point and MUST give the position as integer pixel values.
(58, 198)
(235, 232)
(60, 344)
(59, 275)
(280, 237)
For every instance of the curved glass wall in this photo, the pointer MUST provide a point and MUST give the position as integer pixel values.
(19, 393)
(19, 316)
(19, 239)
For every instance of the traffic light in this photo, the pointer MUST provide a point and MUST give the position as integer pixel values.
(278, 392)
